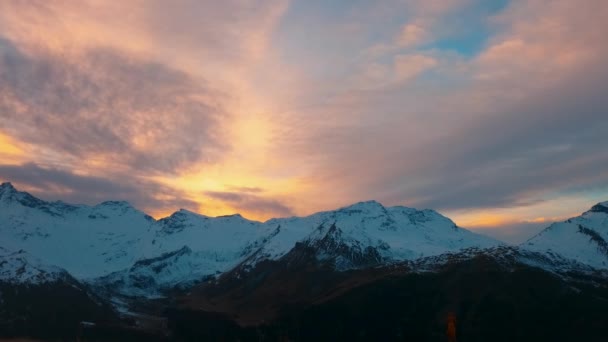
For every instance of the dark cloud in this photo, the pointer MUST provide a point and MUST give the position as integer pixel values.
(553, 141)
(250, 202)
(53, 184)
(101, 103)
(224, 29)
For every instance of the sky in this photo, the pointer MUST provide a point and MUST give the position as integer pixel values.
(494, 113)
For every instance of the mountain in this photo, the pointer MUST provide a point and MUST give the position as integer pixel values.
(120, 246)
(113, 236)
(231, 278)
(44, 301)
(583, 238)
(18, 267)
(299, 279)
(492, 300)
(353, 234)
(105, 238)
(285, 295)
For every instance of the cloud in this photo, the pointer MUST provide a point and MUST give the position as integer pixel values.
(139, 90)
(409, 66)
(251, 202)
(186, 32)
(453, 105)
(143, 92)
(454, 140)
(53, 183)
(411, 35)
(104, 105)
(550, 142)
(247, 189)
(404, 68)
(421, 24)
(540, 133)
(547, 38)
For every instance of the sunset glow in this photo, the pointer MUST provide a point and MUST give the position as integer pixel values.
(494, 113)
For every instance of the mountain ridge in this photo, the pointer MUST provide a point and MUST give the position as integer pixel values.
(252, 272)
(121, 245)
(113, 236)
(360, 206)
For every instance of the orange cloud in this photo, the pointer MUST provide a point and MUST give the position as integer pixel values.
(543, 38)
(10, 152)
(127, 77)
(310, 139)
(556, 209)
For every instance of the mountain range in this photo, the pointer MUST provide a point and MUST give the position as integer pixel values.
(121, 265)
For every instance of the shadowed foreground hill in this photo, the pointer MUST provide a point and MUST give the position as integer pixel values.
(491, 303)
(49, 310)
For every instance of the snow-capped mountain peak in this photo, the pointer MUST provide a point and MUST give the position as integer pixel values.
(114, 238)
(9, 194)
(365, 207)
(7, 187)
(600, 208)
(583, 238)
(116, 208)
(114, 204)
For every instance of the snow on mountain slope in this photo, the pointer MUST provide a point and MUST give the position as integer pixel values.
(223, 238)
(148, 277)
(190, 247)
(87, 241)
(19, 267)
(180, 268)
(128, 248)
(395, 233)
(95, 241)
(357, 236)
(583, 238)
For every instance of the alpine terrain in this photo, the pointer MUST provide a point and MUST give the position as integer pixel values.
(362, 272)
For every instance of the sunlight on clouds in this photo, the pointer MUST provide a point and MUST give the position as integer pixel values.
(10, 152)
(481, 219)
(342, 113)
(248, 165)
(252, 135)
(227, 177)
(547, 38)
(72, 26)
(548, 211)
